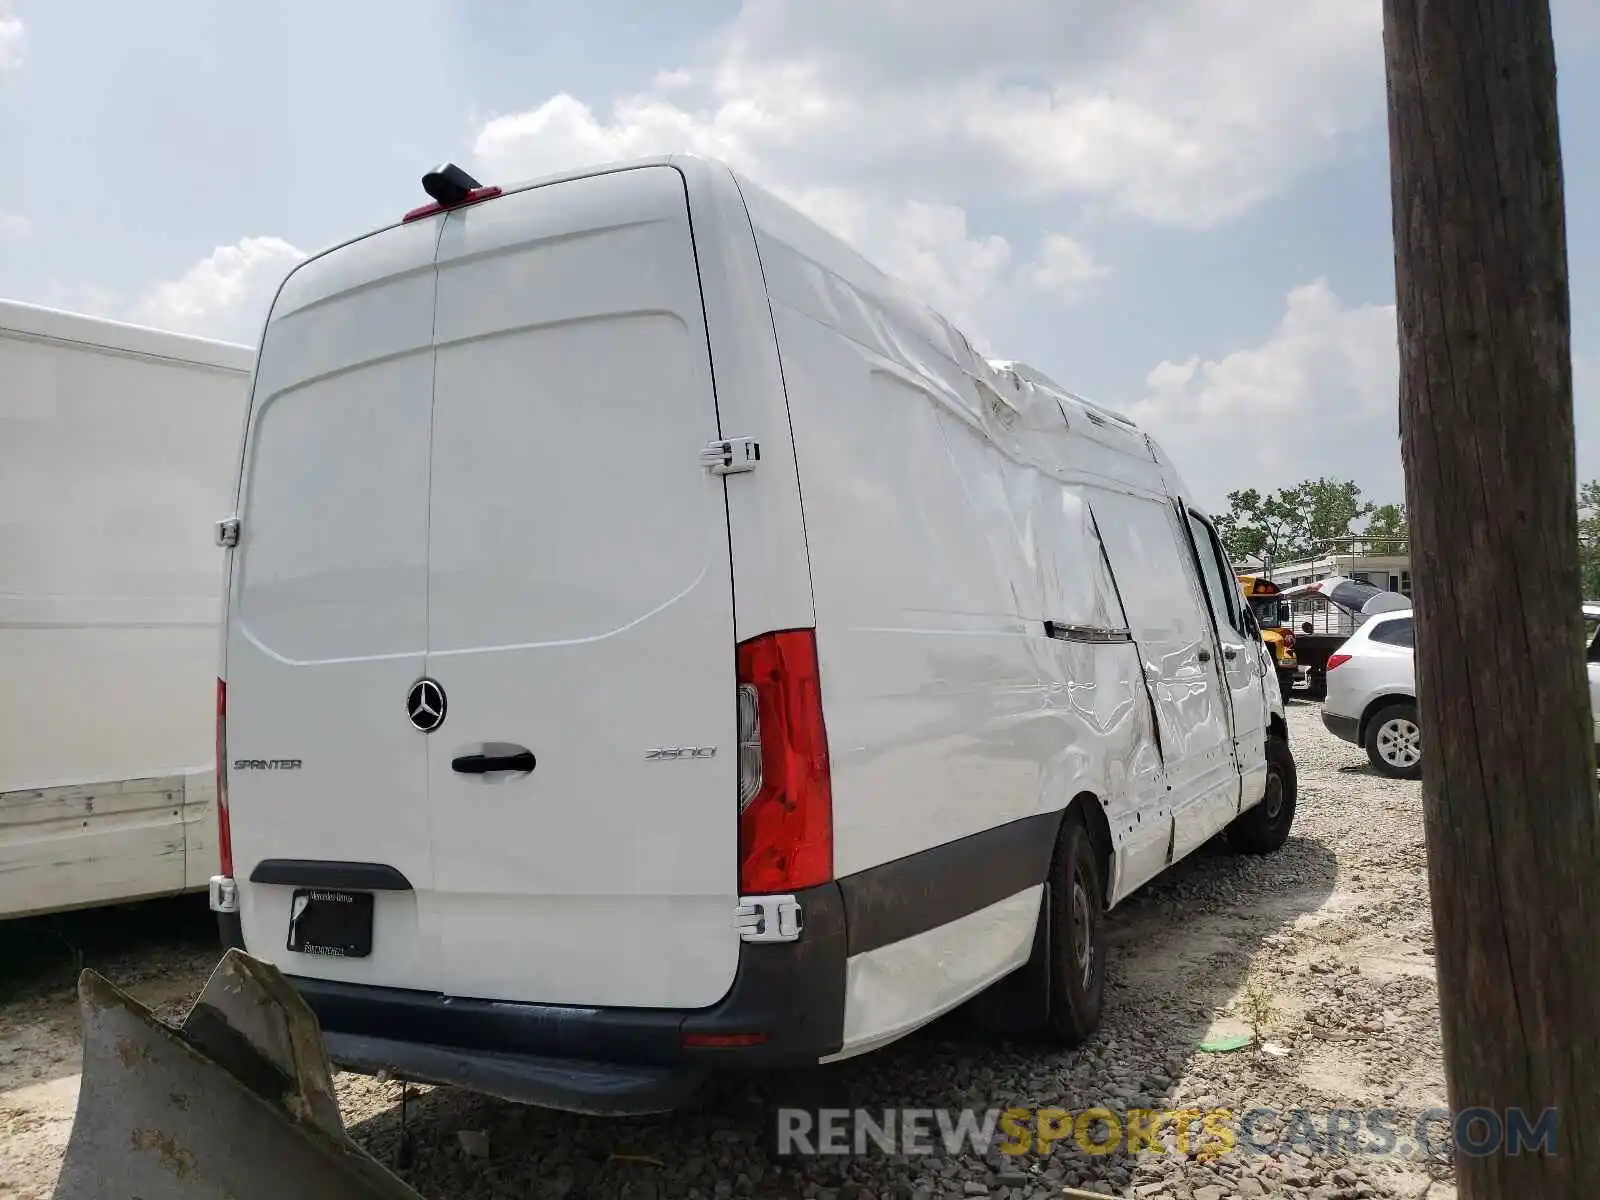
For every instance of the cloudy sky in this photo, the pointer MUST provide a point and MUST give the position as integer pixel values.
(1177, 207)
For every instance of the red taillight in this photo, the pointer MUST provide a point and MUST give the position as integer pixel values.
(224, 833)
(472, 197)
(786, 797)
(1335, 660)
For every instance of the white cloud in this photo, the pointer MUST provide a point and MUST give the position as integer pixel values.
(12, 35)
(928, 247)
(1066, 267)
(225, 295)
(1319, 397)
(925, 244)
(885, 121)
(564, 133)
(1182, 111)
(13, 225)
(972, 280)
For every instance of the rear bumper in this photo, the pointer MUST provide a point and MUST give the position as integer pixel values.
(1345, 728)
(611, 1061)
(574, 1085)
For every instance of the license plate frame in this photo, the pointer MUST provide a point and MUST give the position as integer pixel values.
(330, 923)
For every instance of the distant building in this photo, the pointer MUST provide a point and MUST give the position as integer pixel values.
(1359, 560)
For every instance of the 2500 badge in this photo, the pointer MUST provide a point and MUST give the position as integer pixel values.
(266, 764)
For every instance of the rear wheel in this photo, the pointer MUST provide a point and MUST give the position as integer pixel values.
(1264, 828)
(1077, 956)
(1394, 741)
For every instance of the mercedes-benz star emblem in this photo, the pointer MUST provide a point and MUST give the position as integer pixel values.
(425, 705)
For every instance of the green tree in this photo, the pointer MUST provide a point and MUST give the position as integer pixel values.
(1306, 519)
(1387, 529)
(1332, 506)
(1258, 525)
(1295, 522)
(1589, 538)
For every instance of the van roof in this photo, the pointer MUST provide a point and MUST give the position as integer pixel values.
(1039, 379)
(1008, 379)
(522, 185)
(36, 323)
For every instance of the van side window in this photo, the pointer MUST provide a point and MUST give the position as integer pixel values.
(1224, 602)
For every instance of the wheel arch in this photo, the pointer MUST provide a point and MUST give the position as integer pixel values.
(1376, 705)
(1086, 805)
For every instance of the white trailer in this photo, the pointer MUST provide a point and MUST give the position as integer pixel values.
(118, 447)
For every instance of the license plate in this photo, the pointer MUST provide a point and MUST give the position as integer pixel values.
(331, 923)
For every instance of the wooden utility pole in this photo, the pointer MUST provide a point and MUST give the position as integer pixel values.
(1508, 781)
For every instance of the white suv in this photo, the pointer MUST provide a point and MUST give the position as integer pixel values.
(1372, 695)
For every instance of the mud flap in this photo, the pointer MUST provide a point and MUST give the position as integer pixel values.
(235, 1104)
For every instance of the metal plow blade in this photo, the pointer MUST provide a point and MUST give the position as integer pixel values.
(236, 1104)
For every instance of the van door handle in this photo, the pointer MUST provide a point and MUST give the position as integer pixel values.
(1204, 655)
(483, 764)
(1230, 654)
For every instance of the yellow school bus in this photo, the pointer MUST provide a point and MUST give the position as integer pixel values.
(1271, 614)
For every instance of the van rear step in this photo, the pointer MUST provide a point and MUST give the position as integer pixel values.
(596, 1089)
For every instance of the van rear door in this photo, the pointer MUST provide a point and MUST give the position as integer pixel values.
(327, 626)
(580, 606)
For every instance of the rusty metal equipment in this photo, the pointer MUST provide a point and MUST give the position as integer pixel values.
(236, 1103)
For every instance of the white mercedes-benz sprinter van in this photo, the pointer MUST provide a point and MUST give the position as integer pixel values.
(656, 642)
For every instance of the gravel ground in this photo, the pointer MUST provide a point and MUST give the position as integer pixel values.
(1324, 948)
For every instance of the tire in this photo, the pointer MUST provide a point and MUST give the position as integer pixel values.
(1077, 950)
(1264, 828)
(1393, 741)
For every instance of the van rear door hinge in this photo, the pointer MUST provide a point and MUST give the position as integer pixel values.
(228, 532)
(731, 456)
(768, 919)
